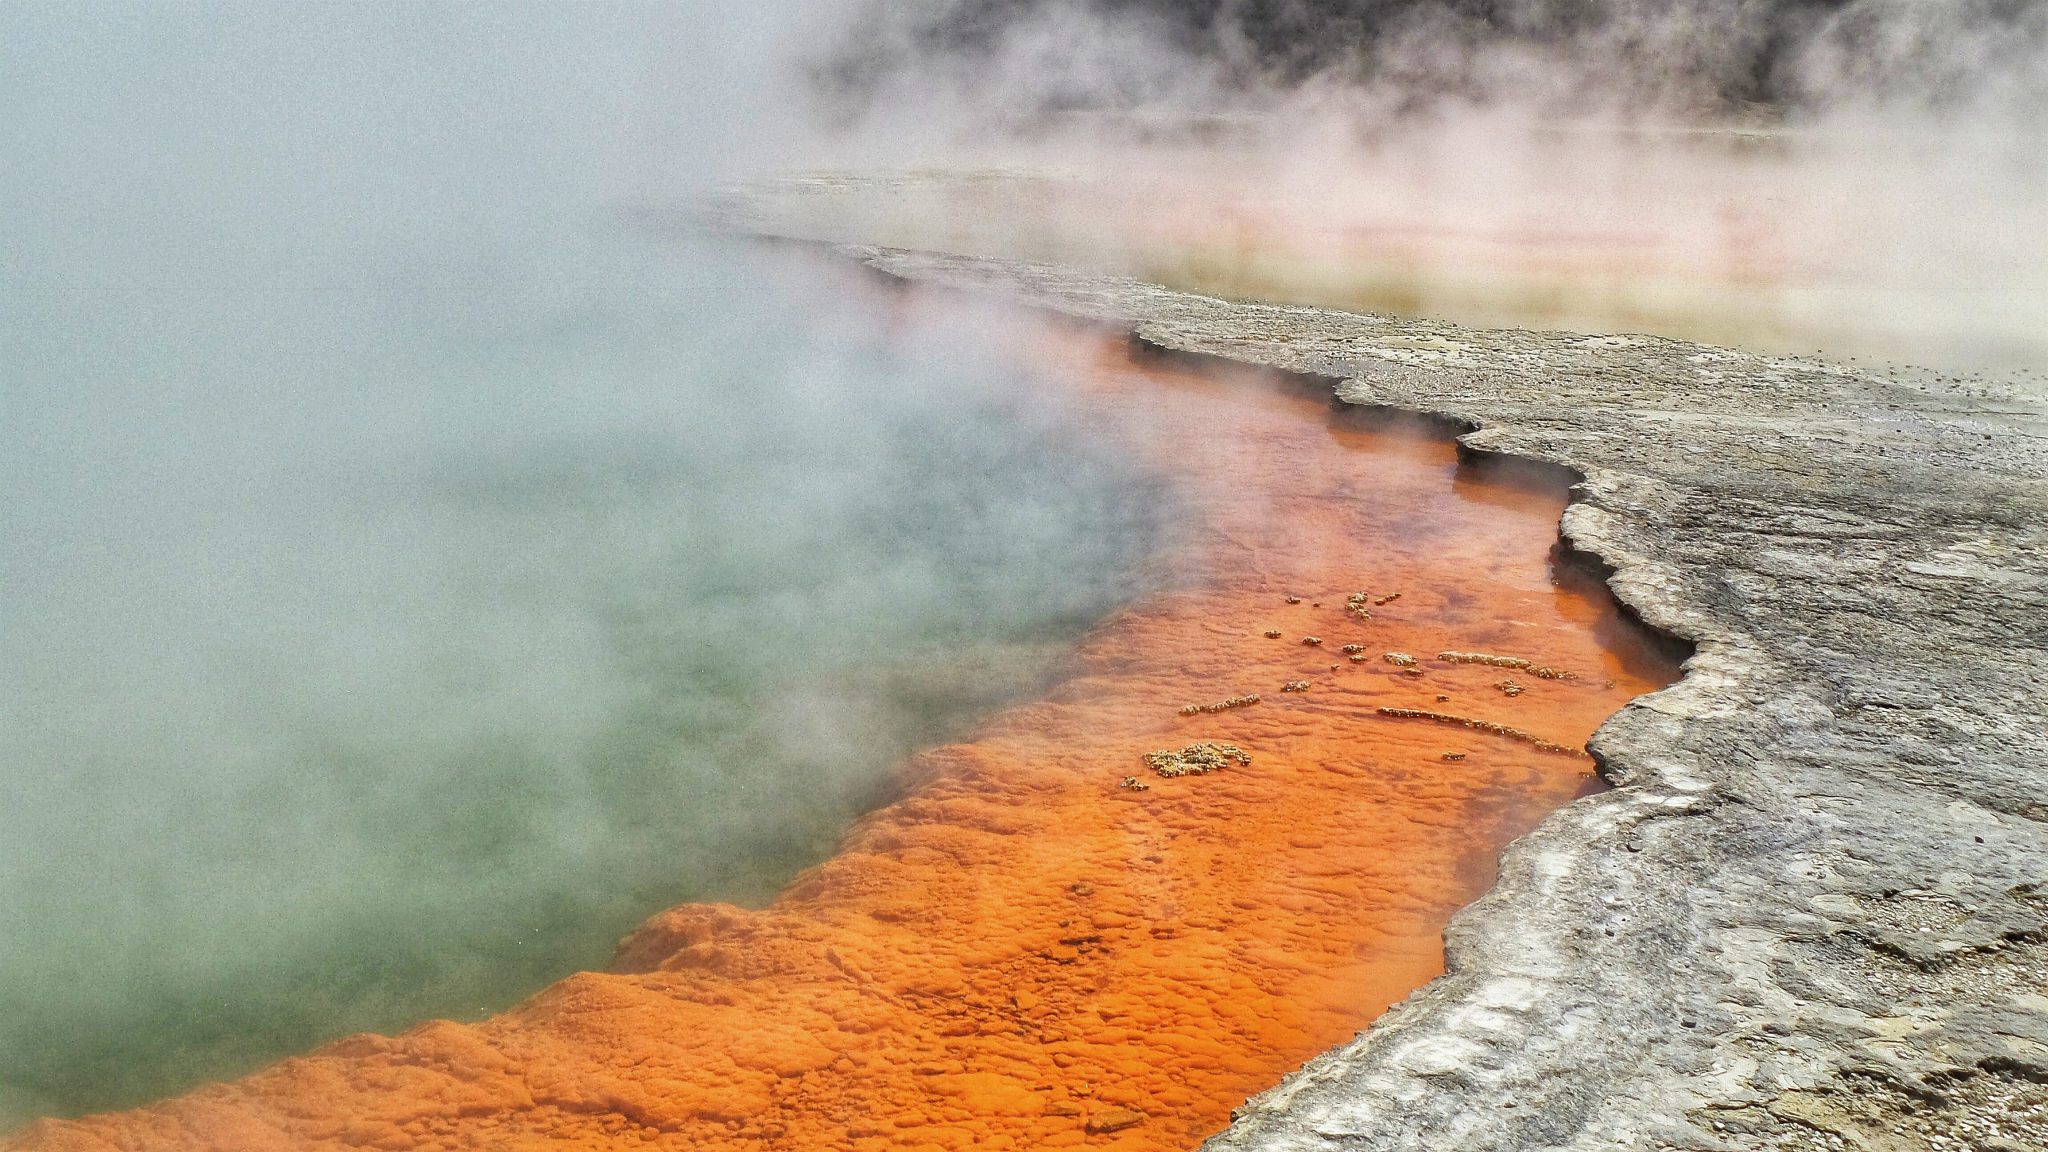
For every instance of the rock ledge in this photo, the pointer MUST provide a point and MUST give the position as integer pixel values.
(1813, 914)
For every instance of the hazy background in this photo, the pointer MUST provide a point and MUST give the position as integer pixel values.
(1863, 177)
(1755, 60)
(414, 572)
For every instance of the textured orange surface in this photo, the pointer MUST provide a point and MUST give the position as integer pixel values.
(1021, 952)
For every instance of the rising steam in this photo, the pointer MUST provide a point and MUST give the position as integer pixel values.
(1740, 59)
(1865, 177)
(416, 573)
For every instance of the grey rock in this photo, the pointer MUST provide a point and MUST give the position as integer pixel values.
(1813, 912)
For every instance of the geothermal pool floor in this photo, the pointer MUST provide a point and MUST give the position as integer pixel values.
(1024, 952)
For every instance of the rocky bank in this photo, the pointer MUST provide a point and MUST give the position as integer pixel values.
(1813, 913)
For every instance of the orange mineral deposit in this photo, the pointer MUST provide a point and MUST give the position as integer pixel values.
(1049, 941)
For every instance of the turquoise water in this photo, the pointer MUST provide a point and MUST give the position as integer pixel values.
(416, 575)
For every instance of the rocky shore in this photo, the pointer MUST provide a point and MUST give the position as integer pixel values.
(1813, 913)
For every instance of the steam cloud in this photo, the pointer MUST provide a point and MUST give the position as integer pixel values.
(417, 573)
(1864, 177)
(1740, 58)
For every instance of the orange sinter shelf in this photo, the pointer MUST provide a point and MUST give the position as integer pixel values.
(1225, 842)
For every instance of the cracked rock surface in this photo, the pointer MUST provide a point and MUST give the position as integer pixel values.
(1813, 913)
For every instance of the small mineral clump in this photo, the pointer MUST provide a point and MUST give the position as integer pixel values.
(1294, 599)
(1113, 1120)
(1454, 755)
(1483, 658)
(1244, 701)
(1312, 641)
(1196, 759)
(1133, 783)
(1508, 687)
(1553, 674)
(1272, 633)
(1399, 659)
(1295, 686)
(1532, 740)
(1388, 599)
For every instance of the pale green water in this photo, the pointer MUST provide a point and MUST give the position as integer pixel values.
(414, 576)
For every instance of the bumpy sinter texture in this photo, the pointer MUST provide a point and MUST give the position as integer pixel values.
(1047, 943)
(1814, 915)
